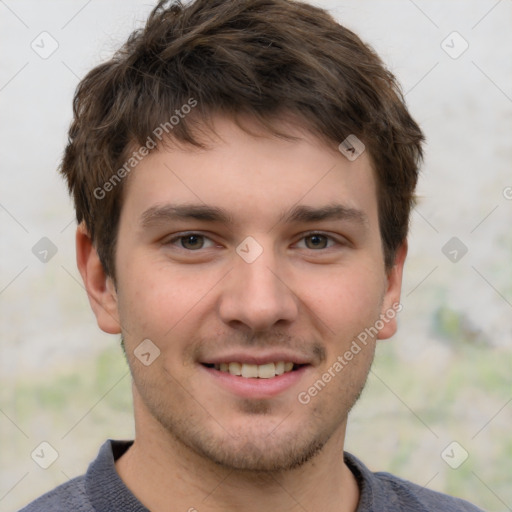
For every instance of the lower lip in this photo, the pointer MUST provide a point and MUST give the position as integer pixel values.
(254, 387)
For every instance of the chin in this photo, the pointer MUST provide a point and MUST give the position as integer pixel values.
(259, 455)
(253, 440)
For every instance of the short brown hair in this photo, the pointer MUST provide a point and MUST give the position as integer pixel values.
(262, 58)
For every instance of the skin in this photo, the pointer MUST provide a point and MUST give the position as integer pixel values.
(199, 444)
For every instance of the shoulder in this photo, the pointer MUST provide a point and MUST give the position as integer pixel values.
(68, 496)
(99, 488)
(411, 496)
(381, 492)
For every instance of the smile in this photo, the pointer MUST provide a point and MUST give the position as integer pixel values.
(256, 371)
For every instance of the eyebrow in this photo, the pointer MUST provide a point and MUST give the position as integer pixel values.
(165, 213)
(160, 214)
(304, 213)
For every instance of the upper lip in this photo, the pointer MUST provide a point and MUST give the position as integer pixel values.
(261, 358)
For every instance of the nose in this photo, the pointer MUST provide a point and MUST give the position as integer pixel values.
(256, 296)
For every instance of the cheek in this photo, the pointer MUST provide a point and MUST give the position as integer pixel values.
(155, 300)
(345, 300)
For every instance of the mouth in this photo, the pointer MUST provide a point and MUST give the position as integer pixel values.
(257, 375)
(268, 370)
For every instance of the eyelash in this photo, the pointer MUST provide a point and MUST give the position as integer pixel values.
(304, 236)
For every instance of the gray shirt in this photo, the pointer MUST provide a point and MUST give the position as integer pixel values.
(102, 490)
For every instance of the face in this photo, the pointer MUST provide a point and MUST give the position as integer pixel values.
(257, 256)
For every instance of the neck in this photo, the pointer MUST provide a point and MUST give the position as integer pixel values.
(159, 470)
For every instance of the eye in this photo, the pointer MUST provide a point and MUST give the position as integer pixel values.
(316, 241)
(191, 241)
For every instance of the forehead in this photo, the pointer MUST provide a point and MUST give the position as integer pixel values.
(252, 176)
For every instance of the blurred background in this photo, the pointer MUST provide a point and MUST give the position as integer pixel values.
(438, 406)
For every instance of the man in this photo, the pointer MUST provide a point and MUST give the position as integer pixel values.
(243, 173)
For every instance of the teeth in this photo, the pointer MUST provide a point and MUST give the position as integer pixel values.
(234, 368)
(266, 371)
(249, 370)
(252, 371)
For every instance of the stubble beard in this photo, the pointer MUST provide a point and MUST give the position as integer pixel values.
(253, 449)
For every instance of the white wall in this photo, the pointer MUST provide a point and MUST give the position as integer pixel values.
(464, 106)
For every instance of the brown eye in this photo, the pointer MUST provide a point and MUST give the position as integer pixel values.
(316, 241)
(192, 242)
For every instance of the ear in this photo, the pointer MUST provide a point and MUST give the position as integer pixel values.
(100, 288)
(391, 304)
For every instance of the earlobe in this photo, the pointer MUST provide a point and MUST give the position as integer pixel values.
(100, 287)
(391, 305)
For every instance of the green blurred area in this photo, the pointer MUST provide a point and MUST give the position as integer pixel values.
(412, 411)
(409, 411)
